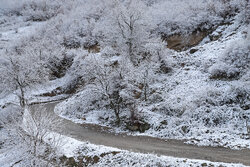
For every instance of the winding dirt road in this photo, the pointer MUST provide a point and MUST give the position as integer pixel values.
(96, 135)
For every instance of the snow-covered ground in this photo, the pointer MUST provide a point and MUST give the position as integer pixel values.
(186, 104)
(117, 157)
(189, 90)
(108, 156)
(35, 94)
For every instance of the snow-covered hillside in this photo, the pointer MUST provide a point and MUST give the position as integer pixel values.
(189, 104)
(167, 69)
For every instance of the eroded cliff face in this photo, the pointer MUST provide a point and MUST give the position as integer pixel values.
(180, 42)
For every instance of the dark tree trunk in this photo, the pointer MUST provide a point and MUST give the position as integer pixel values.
(118, 120)
(116, 109)
(145, 92)
(22, 98)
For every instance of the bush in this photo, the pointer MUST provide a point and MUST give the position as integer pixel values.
(246, 13)
(180, 17)
(40, 10)
(238, 55)
(35, 10)
(234, 63)
(58, 66)
(223, 71)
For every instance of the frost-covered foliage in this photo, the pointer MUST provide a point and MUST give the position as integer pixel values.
(246, 13)
(38, 10)
(114, 49)
(129, 61)
(126, 28)
(223, 71)
(113, 82)
(97, 23)
(186, 103)
(179, 16)
(7, 5)
(27, 137)
(20, 70)
(234, 62)
(238, 55)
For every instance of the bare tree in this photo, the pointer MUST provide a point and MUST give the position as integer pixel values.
(20, 71)
(126, 28)
(32, 136)
(106, 78)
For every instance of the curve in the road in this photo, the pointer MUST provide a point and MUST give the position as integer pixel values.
(94, 134)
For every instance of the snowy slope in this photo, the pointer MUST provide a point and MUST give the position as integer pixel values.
(186, 111)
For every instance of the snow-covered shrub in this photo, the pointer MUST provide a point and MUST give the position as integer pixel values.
(80, 104)
(59, 66)
(223, 71)
(238, 55)
(54, 56)
(77, 29)
(180, 17)
(35, 10)
(215, 116)
(41, 10)
(72, 85)
(240, 95)
(246, 76)
(74, 30)
(11, 7)
(70, 42)
(246, 13)
(109, 52)
(234, 62)
(104, 77)
(125, 28)
(230, 95)
(117, 83)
